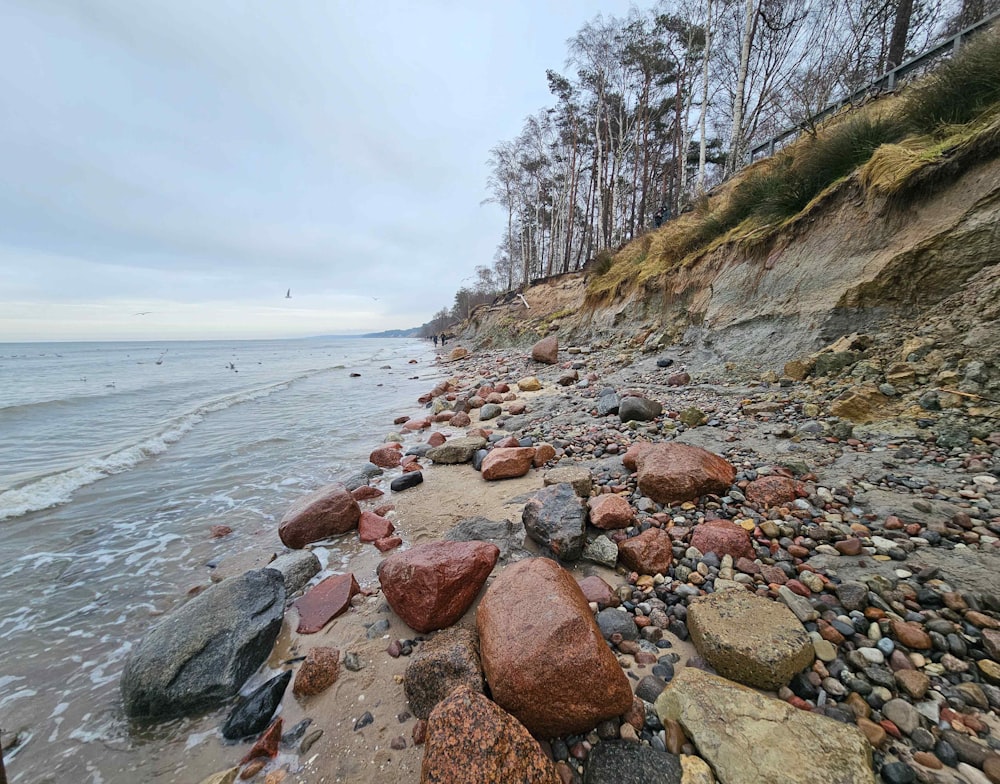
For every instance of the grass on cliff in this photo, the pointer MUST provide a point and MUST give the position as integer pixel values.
(898, 145)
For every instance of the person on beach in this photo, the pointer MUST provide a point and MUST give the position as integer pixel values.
(435, 340)
(443, 339)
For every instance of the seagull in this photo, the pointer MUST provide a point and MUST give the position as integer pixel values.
(288, 295)
(142, 313)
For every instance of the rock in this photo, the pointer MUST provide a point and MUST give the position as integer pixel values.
(296, 568)
(860, 404)
(852, 595)
(772, 491)
(508, 462)
(902, 714)
(578, 476)
(651, 552)
(366, 493)
(529, 384)
(722, 538)
(324, 602)
(406, 481)
(470, 740)
(613, 621)
(489, 411)
(503, 533)
(387, 455)
(430, 586)
(252, 715)
(672, 473)
(201, 654)
(539, 643)
(911, 635)
(546, 350)
(749, 639)
(543, 454)
(602, 551)
(733, 726)
(557, 518)
(267, 744)
(678, 379)
(694, 770)
(223, 777)
(371, 527)
(318, 672)
(459, 352)
(219, 531)
(329, 511)
(621, 762)
(457, 450)
(798, 369)
(387, 544)
(638, 409)
(447, 660)
(608, 403)
(599, 592)
(609, 511)
(914, 683)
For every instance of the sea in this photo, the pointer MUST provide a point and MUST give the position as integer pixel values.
(116, 459)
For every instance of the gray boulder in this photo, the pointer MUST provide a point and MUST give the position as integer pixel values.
(608, 403)
(456, 450)
(557, 518)
(297, 568)
(447, 660)
(503, 533)
(621, 762)
(638, 409)
(201, 654)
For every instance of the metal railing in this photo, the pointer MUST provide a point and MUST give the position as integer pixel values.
(885, 83)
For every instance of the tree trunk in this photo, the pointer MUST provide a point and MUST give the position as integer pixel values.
(900, 32)
(702, 149)
(736, 142)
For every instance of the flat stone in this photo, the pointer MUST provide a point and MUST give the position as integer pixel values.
(324, 602)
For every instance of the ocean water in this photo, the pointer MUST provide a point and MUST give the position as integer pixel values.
(115, 461)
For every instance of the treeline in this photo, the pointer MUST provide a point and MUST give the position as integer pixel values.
(653, 109)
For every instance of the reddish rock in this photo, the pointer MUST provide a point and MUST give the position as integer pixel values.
(850, 546)
(911, 635)
(461, 419)
(546, 350)
(632, 454)
(596, 590)
(267, 744)
(366, 493)
(444, 416)
(387, 544)
(648, 553)
(722, 538)
(928, 760)
(516, 408)
(383, 510)
(411, 467)
(401, 419)
(543, 453)
(509, 441)
(252, 769)
(431, 585)
(329, 511)
(678, 379)
(471, 740)
(539, 644)
(672, 473)
(372, 527)
(417, 424)
(324, 602)
(218, 531)
(772, 491)
(610, 511)
(436, 439)
(387, 455)
(508, 462)
(318, 672)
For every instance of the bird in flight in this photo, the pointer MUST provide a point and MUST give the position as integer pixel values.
(288, 294)
(142, 313)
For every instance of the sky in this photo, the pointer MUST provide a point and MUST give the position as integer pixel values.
(172, 170)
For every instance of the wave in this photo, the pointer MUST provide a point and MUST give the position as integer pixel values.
(59, 488)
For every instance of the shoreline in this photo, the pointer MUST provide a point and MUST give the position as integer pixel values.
(739, 421)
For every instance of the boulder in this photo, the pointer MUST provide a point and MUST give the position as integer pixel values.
(546, 350)
(431, 585)
(651, 552)
(578, 476)
(749, 639)
(623, 762)
(457, 450)
(318, 672)
(507, 536)
(601, 550)
(543, 453)
(406, 481)
(447, 660)
(557, 518)
(329, 511)
(201, 654)
(296, 568)
(861, 404)
(470, 740)
(733, 726)
(673, 473)
(772, 491)
(386, 456)
(372, 527)
(599, 592)
(638, 409)
(489, 411)
(324, 602)
(508, 462)
(459, 352)
(252, 715)
(529, 384)
(608, 403)
(610, 511)
(543, 654)
(722, 538)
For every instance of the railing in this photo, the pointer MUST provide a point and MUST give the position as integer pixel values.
(886, 83)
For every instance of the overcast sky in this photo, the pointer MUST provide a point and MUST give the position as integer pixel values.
(192, 160)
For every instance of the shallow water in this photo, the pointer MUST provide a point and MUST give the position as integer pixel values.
(107, 495)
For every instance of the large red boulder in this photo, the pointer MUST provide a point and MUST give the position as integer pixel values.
(722, 538)
(431, 585)
(673, 473)
(318, 672)
(772, 491)
(508, 462)
(546, 350)
(543, 654)
(372, 527)
(651, 552)
(324, 602)
(610, 511)
(471, 740)
(329, 511)
(386, 456)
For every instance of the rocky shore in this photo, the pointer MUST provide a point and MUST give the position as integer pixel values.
(590, 564)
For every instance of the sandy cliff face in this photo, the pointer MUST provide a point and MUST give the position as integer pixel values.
(851, 264)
